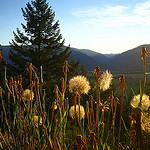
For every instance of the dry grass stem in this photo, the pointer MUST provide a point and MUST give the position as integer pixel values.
(144, 54)
(122, 84)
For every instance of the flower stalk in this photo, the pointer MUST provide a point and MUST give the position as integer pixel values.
(122, 84)
(144, 54)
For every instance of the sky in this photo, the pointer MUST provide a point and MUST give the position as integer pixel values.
(104, 26)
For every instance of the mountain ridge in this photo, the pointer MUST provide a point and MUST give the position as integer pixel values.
(129, 60)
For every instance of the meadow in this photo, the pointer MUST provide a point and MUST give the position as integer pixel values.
(103, 111)
(133, 81)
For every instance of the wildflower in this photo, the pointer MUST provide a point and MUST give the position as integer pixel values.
(145, 102)
(79, 84)
(37, 121)
(72, 112)
(104, 106)
(27, 95)
(105, 80)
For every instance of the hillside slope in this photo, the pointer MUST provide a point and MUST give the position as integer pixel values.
(89, 60)
(100, 58)
(130, 60)
(5, 51)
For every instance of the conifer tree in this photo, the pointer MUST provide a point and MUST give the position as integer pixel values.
(40, 42)
(74, 69)
(83, 70)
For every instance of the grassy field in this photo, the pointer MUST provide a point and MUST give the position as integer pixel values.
(81, 115)
(133, 80)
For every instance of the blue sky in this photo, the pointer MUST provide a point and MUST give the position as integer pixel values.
(105, 26)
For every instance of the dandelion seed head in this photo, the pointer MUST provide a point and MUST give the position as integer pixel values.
(72, 112)
(27, 95)
(146, 121)
(79, 84)
(105, 80)
(36, 120)
(145, 102)
(145, 109)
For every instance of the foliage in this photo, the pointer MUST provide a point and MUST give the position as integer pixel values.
(53, 128)
(40, 42)
(32, 120)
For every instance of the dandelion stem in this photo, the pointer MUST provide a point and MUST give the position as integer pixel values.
(122, 82)
(97, 75)
(75, 113)
(41, 74)
(114, 117)
(144, 55)
(65, 72)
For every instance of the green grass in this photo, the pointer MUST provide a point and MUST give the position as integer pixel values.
(59, 129)
(133, 81)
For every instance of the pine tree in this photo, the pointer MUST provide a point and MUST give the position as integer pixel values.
(83, 70)
(74, 68)
(40, 42)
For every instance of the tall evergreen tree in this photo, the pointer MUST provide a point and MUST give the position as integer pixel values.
(40, 42)
(83, 70)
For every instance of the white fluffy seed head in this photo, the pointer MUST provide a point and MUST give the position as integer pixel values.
(72, 112)
(145, 108)
(27, 95)
(79, 84)
(105, 80)
(145, 102)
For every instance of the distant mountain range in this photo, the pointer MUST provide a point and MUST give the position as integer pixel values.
(89, 58)
(129, 60)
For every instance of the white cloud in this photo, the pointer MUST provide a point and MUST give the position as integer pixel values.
(95, 11)
(117, 15)
(142, 9)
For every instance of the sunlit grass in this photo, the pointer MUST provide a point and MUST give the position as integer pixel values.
(80, 116)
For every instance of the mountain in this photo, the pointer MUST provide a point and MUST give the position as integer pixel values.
(100, 58)
(130, 60)
(89, 58)
(5, 51)
(127, 61)
(110, 56)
